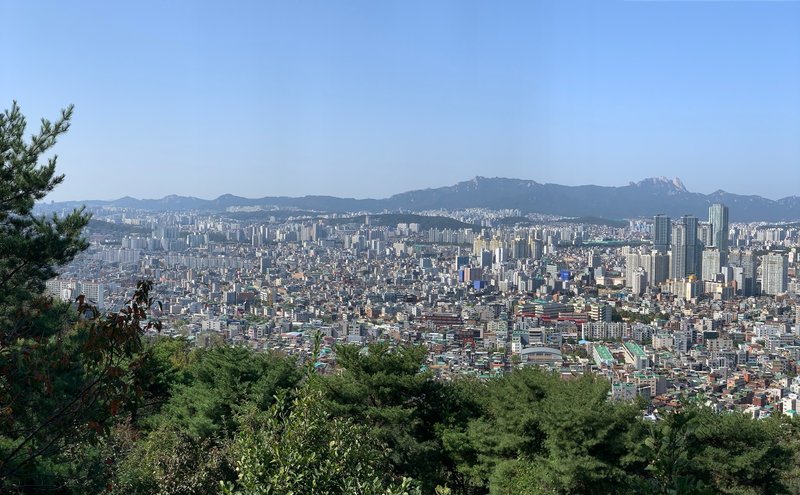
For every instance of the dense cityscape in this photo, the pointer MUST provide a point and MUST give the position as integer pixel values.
(535, 247)
(666, 309)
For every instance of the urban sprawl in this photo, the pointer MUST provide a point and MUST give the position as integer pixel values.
(667, 309)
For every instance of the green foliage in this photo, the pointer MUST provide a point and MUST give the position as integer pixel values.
(504, 430)
(66, 372)
(552, 437)
(38, 380)
(87, 407)
(165, 363)
(666, 456)
(386, 389)
(30, 246)
(170, 462)
(75, 384)
(181, 442)
(559, 436)
(742, 456)
(299, 448)
(585, 438)
(698, 451)
(218, 381)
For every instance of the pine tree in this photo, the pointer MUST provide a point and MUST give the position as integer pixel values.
(30, 246)
(65, 370)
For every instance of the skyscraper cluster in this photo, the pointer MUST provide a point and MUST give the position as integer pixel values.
(699, 252)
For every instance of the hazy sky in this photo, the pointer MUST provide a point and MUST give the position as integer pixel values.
(371, 98)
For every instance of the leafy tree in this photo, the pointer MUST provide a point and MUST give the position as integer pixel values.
(165, 367)
(540, 434)
(506, 428)
(585, 438)
(459, 403)
(297, 447)
(387, 389)
(85, 377)
(218, 381)
(65, 372)
(664, 455)
(196, 400)
(697, 451)
(170, 462)
(743, 456)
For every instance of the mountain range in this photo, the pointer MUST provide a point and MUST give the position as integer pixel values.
(634, 200)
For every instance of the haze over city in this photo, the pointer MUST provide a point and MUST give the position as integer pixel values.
(400, 247)
(366, 99)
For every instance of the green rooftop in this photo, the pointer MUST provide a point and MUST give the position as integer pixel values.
(634, 349)
(604, 353)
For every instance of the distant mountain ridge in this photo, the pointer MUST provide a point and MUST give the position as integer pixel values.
(634, 200)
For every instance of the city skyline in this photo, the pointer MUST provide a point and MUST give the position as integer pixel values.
(203, 100)
(156, 325)
(450, 247)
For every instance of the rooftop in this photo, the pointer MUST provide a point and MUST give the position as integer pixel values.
(604, 353)
(634, 349)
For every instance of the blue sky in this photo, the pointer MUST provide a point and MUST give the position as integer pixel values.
(367, 99)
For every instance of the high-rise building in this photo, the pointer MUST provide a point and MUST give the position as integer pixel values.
(499, 255)
(593, 259)
(748, 261)
(645, 261)
(520, 248)
(659, 268)
(68, 290)
(639, 281)
(774, 273)
(704, 234)
(94, 292)
(711, 264)
(684, 260)
(662, 231)
(264, 264)
(682, 340)
(537, 248)
(631, 265)
(746, 276)
(255, 236)
(600, 312)
(718, 218)
(479, 244)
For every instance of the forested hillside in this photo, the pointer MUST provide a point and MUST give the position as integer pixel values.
(230, 420)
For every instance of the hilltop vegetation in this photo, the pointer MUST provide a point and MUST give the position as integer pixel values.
(89, 406)
(102, 227)
(232, 420)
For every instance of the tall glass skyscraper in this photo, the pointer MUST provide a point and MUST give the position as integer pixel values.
(684, 259)
(718, 218)
(662, 233)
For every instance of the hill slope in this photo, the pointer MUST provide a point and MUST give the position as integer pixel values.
(636, 199)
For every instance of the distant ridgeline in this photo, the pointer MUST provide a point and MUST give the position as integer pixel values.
(641, 199)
